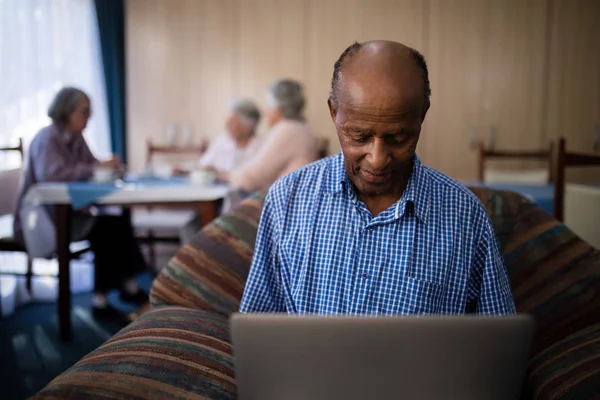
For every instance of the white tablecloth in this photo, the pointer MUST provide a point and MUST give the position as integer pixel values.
(130, 193)
(38, 227)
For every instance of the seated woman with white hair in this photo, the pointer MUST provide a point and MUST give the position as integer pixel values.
(238, 143)
(287, 146)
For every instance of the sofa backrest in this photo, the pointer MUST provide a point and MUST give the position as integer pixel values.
(555, 276)
(210, 271)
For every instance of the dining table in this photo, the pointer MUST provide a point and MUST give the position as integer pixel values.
(206, 199)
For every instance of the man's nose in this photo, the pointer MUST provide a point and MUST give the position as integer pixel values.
(378, 155)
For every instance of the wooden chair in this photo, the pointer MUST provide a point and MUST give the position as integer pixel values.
(542, 155)
(10, 180)
(566, 159)
(149, 219)
(10, 184)
(18, 148)
(154, 149)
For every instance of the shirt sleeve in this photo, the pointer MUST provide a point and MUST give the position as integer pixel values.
(267, 164)
(489, 287)
(208, 158)
(87, 155)
(263, 287)
(50, 165)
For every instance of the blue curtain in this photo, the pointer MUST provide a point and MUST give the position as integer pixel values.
(111, 25)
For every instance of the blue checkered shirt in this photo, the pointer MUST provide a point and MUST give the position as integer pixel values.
(319, 249)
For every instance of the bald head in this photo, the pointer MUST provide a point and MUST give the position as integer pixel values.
(378, 102)
(381, 62)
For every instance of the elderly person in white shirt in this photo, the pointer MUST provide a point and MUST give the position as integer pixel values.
(229, 150)
(238, 144)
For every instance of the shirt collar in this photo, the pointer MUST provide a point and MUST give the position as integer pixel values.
(416, 192)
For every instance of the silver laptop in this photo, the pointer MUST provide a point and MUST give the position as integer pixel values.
(279, 356)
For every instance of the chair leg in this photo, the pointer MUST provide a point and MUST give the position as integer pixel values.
(29, 274)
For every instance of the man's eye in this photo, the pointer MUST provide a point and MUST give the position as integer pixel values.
(399, 139)
(361, 139)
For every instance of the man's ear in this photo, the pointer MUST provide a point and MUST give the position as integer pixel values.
(332, 109)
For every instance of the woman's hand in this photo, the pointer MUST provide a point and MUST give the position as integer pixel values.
(223, 176)
(113, 163)
(180, 172)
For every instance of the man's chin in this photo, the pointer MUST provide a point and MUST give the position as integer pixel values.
(374, 189)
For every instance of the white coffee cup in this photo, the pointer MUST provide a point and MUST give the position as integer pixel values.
(202, 177)
(162, 170)
(104, 175)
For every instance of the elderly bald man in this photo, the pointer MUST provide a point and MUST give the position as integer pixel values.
(372, 230)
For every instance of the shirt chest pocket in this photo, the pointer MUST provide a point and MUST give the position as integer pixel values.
(422, 297)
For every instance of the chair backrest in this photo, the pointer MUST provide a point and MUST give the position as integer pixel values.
(10, 181)
(18, 148)
(566, 159)
(529, 176)
(154, 149)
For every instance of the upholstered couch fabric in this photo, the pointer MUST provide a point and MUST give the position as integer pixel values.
(555, 277)
(171, 352)
(181, 348)
(210, 271)
(569, 369)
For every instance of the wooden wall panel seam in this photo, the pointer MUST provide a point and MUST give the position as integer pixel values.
(547, 59)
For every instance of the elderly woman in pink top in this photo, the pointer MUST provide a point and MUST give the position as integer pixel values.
(288, 145)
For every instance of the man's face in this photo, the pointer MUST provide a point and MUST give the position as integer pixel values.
(378, 128)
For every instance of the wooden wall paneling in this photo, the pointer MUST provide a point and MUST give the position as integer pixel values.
(151, 69)
(271, 45)
(455, 59)
(332, 26)
(181, 59)
(326, 40)
(573, 107)
(514, 72)
(211, 64)
(402, 21)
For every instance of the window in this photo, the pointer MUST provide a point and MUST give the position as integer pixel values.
(44, 45)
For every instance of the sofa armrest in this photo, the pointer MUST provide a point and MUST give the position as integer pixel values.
(569, 369)
(171, 352)
(210, 271)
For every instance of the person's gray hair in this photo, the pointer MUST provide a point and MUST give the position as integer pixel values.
(288, 96)
(247, 109)
(64, 103)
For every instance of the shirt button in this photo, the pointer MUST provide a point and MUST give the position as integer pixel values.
(364, 275)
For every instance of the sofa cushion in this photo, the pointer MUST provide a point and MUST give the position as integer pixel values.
(502, 208)
(555, 276)
(171, 352)
(210, 271)
(569, 369)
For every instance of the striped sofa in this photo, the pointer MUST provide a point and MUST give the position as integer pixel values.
(180, 348)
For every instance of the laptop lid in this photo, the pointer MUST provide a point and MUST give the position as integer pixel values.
(280, 356)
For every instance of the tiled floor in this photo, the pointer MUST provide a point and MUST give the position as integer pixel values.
(31, 354)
